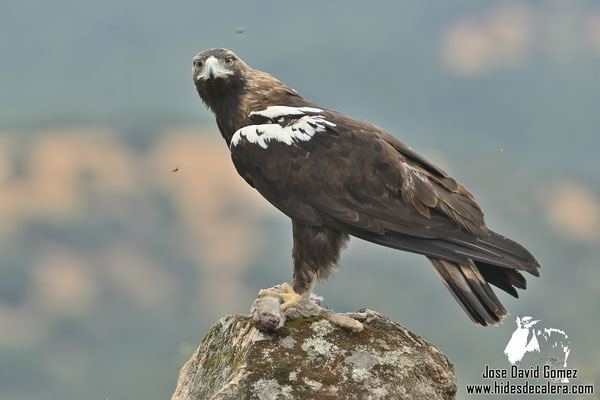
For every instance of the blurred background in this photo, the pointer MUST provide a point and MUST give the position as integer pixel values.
(113, 265)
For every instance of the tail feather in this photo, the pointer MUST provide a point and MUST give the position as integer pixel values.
(499, 250)
(511, 247)
(471, 290)
(466, 264)
(469, 282)
(483, 290)
(505, 279)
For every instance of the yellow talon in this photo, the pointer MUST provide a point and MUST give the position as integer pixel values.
(289, 300)
(286, 288)
(285, 292)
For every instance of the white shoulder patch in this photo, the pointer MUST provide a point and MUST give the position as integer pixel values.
(282, 111)
(299, 129)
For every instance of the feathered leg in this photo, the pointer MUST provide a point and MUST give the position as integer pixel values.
(315, 255)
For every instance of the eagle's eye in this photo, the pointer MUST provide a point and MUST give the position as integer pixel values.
(197, 64)
(229, 61)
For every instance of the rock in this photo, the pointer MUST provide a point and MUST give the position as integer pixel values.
(311, 358)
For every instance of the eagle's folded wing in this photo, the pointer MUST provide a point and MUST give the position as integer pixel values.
(319, 166)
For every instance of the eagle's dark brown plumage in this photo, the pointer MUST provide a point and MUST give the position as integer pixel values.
(336, 176)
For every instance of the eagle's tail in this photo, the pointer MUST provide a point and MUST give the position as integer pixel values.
(468, 283)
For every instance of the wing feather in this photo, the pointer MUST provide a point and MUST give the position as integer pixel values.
(355, 177)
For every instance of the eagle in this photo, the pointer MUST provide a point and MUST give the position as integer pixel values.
(337, 176)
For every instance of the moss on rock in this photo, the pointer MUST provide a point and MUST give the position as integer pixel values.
(311, 358)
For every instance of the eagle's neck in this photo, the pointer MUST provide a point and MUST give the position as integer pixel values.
(232, 111)
(229, 116)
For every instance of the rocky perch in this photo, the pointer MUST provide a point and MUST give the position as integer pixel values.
(311, 358)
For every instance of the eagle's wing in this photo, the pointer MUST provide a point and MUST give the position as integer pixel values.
(322, 167)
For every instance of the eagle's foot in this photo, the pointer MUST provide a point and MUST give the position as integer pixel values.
(284, 292)
(274, 305)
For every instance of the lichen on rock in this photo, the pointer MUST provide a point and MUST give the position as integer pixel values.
(311, 358)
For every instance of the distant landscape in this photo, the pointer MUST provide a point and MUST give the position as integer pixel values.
(126, 232)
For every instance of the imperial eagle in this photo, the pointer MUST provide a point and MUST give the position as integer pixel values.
(337, 176)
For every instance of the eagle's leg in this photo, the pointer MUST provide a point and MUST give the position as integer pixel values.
(315, 255)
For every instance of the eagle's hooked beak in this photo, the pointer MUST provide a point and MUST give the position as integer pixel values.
(212, 67)
(213, 70)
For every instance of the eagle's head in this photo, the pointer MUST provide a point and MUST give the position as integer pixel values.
(218, 74)
(233, 90)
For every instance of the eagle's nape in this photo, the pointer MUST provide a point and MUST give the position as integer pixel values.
(335, 176)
